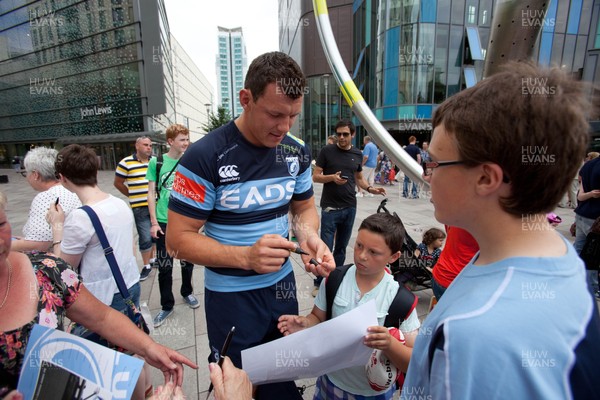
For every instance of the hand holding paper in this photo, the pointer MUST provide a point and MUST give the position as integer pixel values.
(326, 347)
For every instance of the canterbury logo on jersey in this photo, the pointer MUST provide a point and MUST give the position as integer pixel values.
(228, 173)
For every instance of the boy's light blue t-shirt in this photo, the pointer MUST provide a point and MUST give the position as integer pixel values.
(508, 330)
(348, 297)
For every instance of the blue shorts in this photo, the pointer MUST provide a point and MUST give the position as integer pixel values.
(119, 304)
(254, 313)
(326, 390)
(143, 226)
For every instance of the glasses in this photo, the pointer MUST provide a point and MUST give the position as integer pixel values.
(343, 134)
(430, 166)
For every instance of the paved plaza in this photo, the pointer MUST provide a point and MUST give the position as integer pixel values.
(185, 330)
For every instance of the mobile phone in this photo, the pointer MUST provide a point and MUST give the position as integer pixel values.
(344, 176)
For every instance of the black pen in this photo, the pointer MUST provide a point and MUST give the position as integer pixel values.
(222, 355)
(56, 202)
(298, 250)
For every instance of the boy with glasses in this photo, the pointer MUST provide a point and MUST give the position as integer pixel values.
(518, 321)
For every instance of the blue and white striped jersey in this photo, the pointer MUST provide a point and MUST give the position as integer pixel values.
(242, 192)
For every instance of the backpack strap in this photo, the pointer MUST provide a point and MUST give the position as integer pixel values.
(332, 284)
(403, 304)
(159, 164)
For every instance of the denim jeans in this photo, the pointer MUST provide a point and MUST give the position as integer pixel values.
(337, 224)
(118, 304)
(583, 225)
(143, 225)
(165, 273)
(407, 182)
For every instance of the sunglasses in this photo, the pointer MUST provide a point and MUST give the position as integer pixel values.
(343, 134)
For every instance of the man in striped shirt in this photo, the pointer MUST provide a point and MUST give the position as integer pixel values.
(130, 179)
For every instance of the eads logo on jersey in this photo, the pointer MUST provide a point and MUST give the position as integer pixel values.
(229, 173)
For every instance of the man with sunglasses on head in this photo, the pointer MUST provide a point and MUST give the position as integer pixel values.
(339, 169)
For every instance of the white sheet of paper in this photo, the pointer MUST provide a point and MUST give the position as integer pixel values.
(326, 347)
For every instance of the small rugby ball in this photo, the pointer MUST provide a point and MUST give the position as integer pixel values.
(381, 373)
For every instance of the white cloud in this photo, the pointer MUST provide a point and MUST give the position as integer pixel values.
(194, 25)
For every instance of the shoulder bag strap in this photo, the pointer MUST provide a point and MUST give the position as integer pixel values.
(108, 251)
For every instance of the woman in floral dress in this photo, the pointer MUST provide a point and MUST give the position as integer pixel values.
(40, 288)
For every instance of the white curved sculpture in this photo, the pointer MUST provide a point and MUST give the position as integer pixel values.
(355, 100)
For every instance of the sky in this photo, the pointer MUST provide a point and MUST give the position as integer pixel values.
(194, 25)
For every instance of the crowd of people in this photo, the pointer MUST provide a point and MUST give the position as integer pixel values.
(229, 202)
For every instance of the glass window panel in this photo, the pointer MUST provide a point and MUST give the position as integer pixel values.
(557, 49)
(474, 42)
(580, 51)
(389, 86)
(560, 22)
(586, 17)
(545, 48)
(458, 11)
(441, 59)
(471, 12)
(395, 13)
(485, 12)
(425, 71)
(470, 76)
(455, 60)
(574, 16)
(424, 112)
(382, 17)
(409, 11)
(428, 10)
(405, 112)
(443, 11)
(406, 78)
(569, 52)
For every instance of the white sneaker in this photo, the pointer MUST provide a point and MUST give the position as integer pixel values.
(370, 195)
(359, 194)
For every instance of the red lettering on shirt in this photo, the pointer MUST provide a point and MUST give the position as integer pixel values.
(188, 188)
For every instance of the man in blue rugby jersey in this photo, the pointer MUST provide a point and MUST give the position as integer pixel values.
(239, 182)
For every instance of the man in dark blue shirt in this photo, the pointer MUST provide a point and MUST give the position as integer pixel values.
(339, 168)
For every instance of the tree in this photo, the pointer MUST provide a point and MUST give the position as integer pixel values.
(216, 120)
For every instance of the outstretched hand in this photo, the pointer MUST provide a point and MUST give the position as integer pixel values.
(289, 324)
(170, 391)
(315, 246)
(168, 361)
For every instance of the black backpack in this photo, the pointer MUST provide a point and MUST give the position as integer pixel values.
(402, 305)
